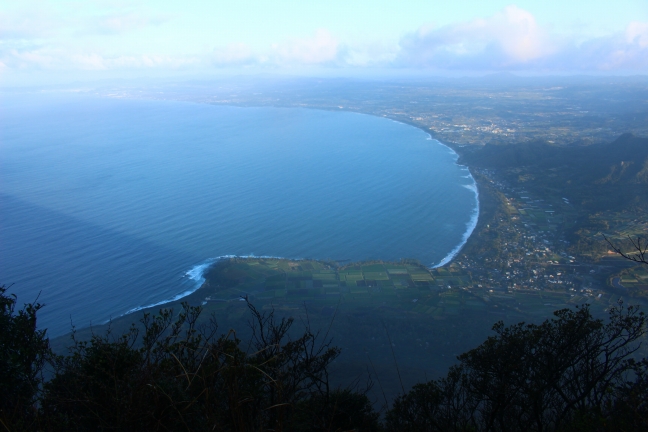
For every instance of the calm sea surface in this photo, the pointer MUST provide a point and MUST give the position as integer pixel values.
(108, 205)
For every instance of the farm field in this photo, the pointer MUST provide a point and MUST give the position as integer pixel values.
(283, 284)
(635, 280)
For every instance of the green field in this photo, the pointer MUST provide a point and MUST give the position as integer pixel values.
(635, 280)
(280, 281)
(438, 293)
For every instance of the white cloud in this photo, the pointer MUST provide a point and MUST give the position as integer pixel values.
(619, 52)
(234, 54)
(319, 49)
(513, 40)
(29, 59)
(23, 24)
(40, 58)
(637, 33)
(89, 61)
(117, 23)
(508, 38)
(372, 54)
(519, 35)
(42, 22)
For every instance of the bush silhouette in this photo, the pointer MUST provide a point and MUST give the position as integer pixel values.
(570, 372)
(176, 375)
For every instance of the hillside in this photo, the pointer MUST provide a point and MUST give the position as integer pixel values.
(596, 177)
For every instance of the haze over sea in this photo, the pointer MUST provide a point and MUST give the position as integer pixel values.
(109, 205)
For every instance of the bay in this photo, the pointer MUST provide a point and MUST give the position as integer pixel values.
(110, 204)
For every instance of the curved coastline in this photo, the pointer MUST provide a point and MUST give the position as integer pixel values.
(196, 273)
(472, 223)
(470, 227)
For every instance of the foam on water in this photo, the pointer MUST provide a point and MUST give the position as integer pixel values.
(472, 187)
(195, 274)
(472, 223)
(470, 227)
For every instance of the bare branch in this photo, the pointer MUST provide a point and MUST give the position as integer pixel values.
(640, 253)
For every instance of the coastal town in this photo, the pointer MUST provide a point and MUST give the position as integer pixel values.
(528, 266)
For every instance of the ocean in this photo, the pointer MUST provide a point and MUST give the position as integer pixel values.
(109, 205)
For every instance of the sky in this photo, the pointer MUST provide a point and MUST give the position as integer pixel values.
(43, 40)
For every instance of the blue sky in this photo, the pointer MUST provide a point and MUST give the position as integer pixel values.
(42, 39)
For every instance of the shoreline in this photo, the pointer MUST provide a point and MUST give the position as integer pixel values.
(474, 219)
(197, 271)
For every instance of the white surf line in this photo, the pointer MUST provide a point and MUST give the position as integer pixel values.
(196, 273)
(472, 223)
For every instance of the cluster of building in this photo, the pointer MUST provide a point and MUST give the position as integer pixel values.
(529, 253)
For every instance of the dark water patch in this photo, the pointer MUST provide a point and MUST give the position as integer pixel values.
(80, 271)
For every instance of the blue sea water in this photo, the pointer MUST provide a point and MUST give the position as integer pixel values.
(108, 205)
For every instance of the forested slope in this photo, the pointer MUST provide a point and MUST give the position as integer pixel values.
(596, 177)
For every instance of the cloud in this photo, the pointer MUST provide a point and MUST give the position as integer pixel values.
(510, 40)
(29, 59)
(89, 61)
(371, 54)
(513, 40)
(637, 33)
(117, 23)
(44, 22)
(322, 48)
(26, 25)
(626, 51)
(151, 61)
(43, 58)
(235, 54)
(510, 37)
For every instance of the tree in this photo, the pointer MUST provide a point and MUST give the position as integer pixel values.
(180, 376)
(570, 372)
(24, 351)
(173, 374)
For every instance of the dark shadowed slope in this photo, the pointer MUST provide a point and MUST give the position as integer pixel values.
(598, 177)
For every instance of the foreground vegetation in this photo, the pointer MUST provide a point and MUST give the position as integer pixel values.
(573, 372)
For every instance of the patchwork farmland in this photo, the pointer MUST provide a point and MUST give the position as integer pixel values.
(282, 284)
